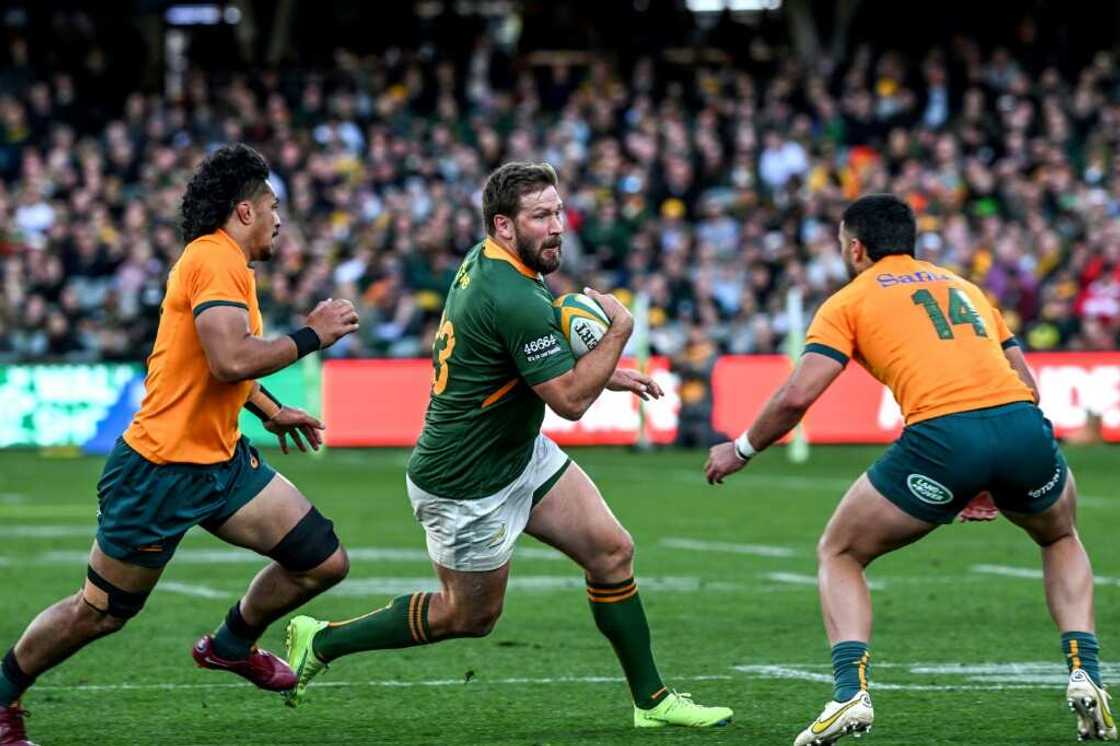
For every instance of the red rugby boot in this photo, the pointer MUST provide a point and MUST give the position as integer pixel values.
(12, 732)
(261, 667)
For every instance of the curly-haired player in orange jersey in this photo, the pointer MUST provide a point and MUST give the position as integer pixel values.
(972, 426)
(182, 462)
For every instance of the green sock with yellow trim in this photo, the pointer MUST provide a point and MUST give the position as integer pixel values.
(619, 615)
(401, 624)
(1081, 650)
(851, 669)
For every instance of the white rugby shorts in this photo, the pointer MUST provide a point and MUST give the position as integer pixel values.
(479, 535)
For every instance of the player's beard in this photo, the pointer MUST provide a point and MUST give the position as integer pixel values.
(537, 260)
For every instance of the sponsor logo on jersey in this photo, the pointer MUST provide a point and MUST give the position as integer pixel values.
(887, 279)
(1049, 485)
(541, 348)
(498, 537)
(929, 490)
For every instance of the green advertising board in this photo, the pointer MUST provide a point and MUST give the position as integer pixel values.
(295, 386)
(60, 405)
(90, 405)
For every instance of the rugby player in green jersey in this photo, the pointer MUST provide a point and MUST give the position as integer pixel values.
(482, 473)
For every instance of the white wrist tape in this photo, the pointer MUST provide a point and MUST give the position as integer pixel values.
(743, 447)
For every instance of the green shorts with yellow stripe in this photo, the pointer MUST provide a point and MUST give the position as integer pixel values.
(937, 466)
(145, 509)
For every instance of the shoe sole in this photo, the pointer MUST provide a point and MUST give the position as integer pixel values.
(291, 698)
(855, 730)
(294, 696)
(662, 724)
(1088, 713)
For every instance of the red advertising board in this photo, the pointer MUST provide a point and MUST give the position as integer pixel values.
(382, 402)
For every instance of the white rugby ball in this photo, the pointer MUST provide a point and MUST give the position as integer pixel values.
(582, 321)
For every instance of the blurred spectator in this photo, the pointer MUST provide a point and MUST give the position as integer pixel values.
(713, 189)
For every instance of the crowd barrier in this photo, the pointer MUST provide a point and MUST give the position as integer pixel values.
(382, 402)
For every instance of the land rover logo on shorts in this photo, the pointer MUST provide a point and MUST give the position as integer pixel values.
(928, 490)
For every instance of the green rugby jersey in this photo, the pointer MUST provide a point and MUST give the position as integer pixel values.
(496, 340)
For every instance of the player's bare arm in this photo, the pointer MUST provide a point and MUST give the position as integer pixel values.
(814, 374)
(1014, 355)
(235, 354)
(571, 394)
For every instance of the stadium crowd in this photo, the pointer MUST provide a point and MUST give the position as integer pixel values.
(712, 189)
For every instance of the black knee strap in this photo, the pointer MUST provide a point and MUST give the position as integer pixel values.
(122, 604)
(308, 544)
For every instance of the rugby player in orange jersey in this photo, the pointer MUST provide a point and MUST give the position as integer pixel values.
(182, 461)
(972, 426)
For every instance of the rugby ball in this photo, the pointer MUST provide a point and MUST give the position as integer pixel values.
(582, 321)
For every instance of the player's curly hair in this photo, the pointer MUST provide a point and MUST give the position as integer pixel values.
(230, 174)
(883, 223)
(502, 193)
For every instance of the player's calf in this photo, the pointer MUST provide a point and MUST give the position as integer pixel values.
(464, 620)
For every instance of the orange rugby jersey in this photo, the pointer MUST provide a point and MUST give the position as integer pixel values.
(188, 416)
(930, 336)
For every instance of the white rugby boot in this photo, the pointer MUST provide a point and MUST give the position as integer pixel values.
(839, 719)
(1091, 705)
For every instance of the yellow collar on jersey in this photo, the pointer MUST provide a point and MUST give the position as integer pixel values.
(491, 249)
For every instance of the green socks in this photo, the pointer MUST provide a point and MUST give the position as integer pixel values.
(1081, 650)
(401, 624)
(235, 639)
(850, 669)
(618, 613)
(13, 681)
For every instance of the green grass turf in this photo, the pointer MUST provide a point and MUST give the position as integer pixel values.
(726, 610)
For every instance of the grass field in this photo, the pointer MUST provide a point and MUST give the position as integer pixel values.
(964, 651)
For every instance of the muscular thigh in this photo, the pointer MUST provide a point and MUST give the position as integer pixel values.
(262, 522)
(867, 525)
(574, 518)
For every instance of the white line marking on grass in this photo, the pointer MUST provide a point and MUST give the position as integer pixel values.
(986, 669)
(690, 476)
(799, 579)
(477, 681)
(1032, 573)
(1093, 501)
(47, 532)
(759, 550)
(200, 591)
(244, 556)
(41, 512)
(397, 585)
(798, 674)
(12, 498)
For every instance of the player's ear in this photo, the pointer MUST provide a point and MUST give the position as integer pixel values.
(503, 227)
(244, 211)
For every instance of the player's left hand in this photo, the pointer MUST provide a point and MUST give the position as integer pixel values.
(981, 508)
(294, 422)
(636, 382)
(723, 462)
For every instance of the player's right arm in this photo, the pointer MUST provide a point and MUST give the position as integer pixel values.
(1014, 354)
(830, 343)
(235, 354)
(571, 394)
